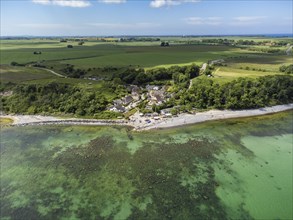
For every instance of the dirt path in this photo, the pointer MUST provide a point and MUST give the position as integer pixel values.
(190, 84)
(51, 71)
(289, 51)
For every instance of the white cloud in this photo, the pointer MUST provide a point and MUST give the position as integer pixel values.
(121, 26)
(157, 3)
(140, 25)
(247, 20)
(45, 26)
(64, 3)
(43, 2)
(204, 21)
(236, 21)
(162, 3)
(112, 1)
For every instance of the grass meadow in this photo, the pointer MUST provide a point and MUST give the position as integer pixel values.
(252, 67)
(23, 74)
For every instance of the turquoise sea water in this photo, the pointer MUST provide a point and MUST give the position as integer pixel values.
(232, 169)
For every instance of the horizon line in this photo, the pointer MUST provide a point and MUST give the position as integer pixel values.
(154, 35)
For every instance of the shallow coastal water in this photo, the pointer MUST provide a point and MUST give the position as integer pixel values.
(232, 169)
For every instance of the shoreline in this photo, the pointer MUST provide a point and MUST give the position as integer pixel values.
(214, 115)
(140, 124)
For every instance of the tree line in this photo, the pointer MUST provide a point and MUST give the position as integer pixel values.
(242, 93)
(141, 76)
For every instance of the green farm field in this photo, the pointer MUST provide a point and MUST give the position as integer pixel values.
(239, 62)
(158, 57)
(97, 54)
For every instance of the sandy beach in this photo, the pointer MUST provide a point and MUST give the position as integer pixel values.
(184, 119)
(147, 123)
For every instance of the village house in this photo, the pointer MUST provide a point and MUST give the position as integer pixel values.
(156, 97)
(127, 100)
(135, 93)
(166, 112)
(118, 108)
(152, 87)
(118, 102)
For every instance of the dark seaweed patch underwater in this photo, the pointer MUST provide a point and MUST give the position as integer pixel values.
(215, 170)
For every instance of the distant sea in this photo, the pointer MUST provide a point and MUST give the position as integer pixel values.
(278, 35)
(288, 35)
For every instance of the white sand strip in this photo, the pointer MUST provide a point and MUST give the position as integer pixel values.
(21, 120)
(182, 119)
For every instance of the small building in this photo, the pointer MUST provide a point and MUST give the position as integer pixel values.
(118, 108)
(217, 62)
(166, 111)
(136, 97)
(156, 88)
(150, 87)
(133, 89)
(118, 102)
(159, 98)
(127, 100)
(135, 92)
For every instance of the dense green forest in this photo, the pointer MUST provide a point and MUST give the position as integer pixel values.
(59, 98)
(243, 93)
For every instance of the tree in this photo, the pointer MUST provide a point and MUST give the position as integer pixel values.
(174, 111)
(192, 71)
(164, 44)
(117, 81)
(155, 108)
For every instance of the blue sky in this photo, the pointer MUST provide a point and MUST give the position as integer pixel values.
(145, 17)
